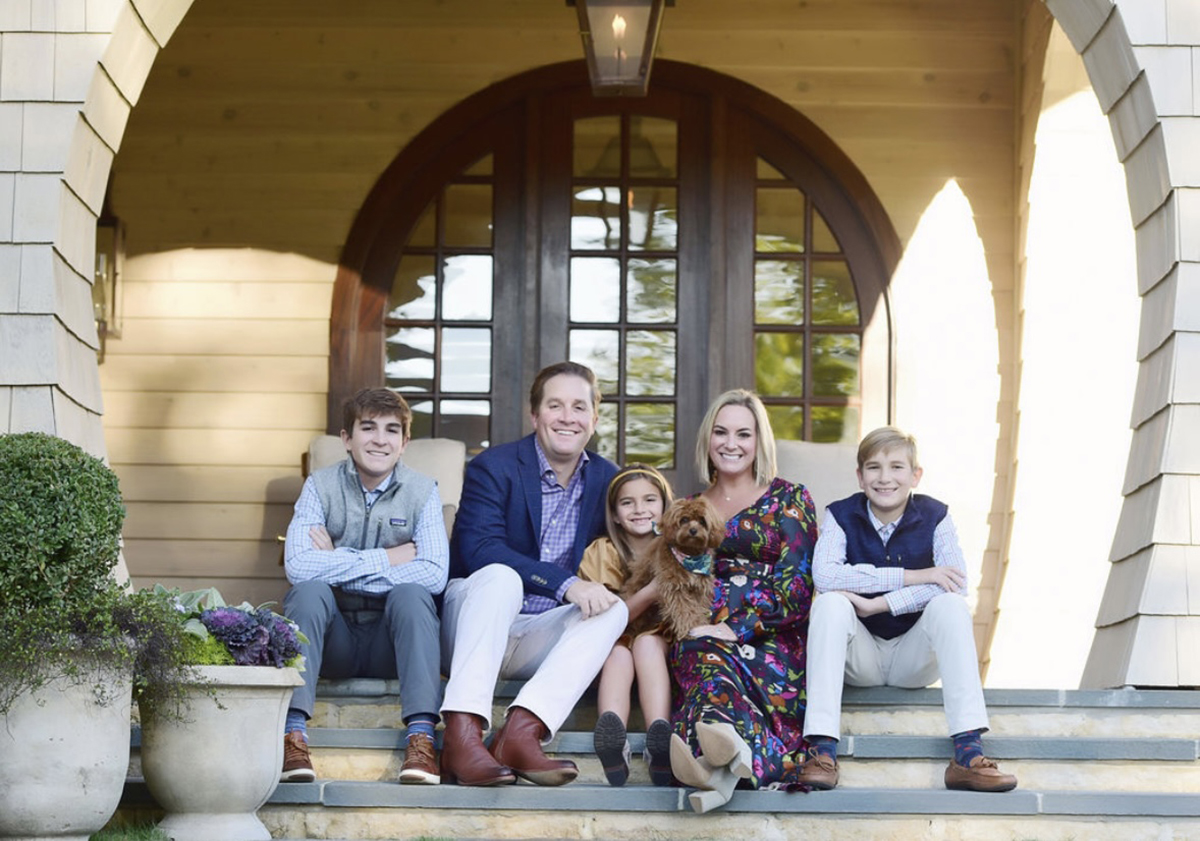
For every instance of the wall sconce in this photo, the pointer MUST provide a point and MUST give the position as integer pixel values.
(106, 285)
(619, 38)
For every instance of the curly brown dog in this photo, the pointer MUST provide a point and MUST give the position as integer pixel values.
(690, 529)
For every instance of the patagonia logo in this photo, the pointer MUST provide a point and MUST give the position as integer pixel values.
(398, 521)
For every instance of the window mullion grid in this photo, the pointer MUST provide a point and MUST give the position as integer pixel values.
(623, 281)
(439, 286)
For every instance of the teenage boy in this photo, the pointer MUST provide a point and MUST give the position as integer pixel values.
(515, 607)
(366, 553)
(891, 612)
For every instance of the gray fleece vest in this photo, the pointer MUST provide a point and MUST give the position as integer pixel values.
(391, 520)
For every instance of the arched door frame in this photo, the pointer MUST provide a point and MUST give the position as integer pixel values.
(469, 130)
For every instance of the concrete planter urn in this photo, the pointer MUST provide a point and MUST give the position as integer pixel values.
(212, 771)
(65, 753)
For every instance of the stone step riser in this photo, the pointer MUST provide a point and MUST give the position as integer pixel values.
(384, 714)
(1030, 722)
(1100, 766)
(635, 826)
(1143, 776)
(1157, 777)
(928, 721)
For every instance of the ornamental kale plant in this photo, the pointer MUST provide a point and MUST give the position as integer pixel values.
(241, 635)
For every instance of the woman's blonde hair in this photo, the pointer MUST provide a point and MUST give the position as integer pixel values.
(627, 474)
(764, 457)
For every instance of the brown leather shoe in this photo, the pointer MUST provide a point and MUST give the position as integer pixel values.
(519, 746)
(981, 775)
(297, 765)
(420, 762)
(820, 772)
(464, 758)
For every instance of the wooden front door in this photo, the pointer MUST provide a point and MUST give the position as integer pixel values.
(701, 238)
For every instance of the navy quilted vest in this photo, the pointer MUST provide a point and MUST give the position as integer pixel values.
(910, 546)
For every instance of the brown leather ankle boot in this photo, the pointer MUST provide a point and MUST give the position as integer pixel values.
(464, 758)
(518, 745)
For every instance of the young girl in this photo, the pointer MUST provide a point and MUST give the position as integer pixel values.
(637, 497)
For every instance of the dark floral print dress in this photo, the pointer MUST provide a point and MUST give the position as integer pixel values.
(763, 591)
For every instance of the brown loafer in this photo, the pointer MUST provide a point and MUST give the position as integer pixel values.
(297, 764)
(518, 746)
(981, 775)
(820, 772)
(464, 758)
(420, 762)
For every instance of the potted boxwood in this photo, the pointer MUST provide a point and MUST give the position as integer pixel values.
(212, 766)
(70, 641)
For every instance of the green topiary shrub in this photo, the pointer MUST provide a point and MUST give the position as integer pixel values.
(61, 516)
(60, 607)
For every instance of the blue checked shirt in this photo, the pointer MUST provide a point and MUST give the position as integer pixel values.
(367, 571)
(560, 520)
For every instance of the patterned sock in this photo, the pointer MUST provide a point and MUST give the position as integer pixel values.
(967, 746)
(420, 723)
(824, 745)
(297, 722)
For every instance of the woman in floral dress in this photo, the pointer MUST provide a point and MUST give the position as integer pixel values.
(738, 706)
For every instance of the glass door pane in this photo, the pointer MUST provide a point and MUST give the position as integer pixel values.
(438, 327)
(807, 322)
(622, 318)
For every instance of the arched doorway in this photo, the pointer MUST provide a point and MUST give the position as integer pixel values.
(704, 237)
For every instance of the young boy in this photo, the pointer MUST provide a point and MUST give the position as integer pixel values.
(890, 612)
(366, 553)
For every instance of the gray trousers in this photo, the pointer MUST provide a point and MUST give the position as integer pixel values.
(386, 636)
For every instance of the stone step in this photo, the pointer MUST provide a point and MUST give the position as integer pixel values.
(864, 747)
(602, 798)
(1125, 740)
(366, 703)
(333, 809)
(1069, 763)
(1092, 765)
(377, 810)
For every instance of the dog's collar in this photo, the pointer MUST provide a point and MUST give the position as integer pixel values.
(701, 564)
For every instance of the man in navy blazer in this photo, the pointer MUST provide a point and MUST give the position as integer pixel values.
(514, 607)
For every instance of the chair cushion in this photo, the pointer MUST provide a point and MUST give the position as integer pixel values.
(827, 470)
(441, 458)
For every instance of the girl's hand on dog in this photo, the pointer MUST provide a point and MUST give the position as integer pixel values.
(721, 631)
(593, 598)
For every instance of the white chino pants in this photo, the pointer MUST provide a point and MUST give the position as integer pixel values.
(841, 649)
(485, 637)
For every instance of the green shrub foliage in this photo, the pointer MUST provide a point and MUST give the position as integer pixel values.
(60, 607)
(61, 516)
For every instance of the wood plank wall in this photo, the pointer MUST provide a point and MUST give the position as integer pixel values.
(212, 393)
(264, 125)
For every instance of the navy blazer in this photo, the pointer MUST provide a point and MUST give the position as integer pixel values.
(499, 519)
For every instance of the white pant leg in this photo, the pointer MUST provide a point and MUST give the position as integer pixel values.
(558, 653)
(477, 615)
(943, 643)
(839, 650)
